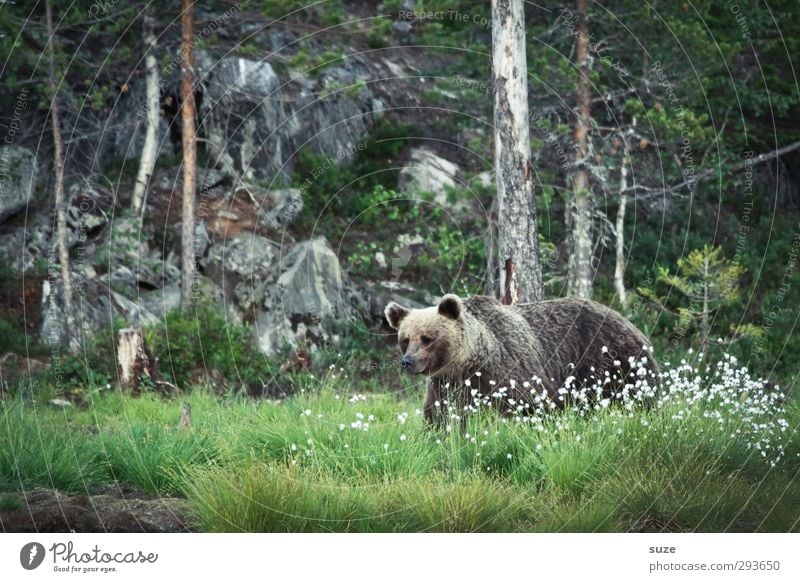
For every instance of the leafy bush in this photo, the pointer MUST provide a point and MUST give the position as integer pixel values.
(201, 345)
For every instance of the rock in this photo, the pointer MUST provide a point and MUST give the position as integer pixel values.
(408, 241)
(88, 209)
(483, 180)
(96, 306)
(281, 208)
(17, 179)
(235, 75)
(122, 280)
(382, 293)
(60, 403)
(255, 122)
(133, 312)
(161, 301)
(128, 118)
(402, 27)
(313, 282)
(427, 172)
(236, 259)
(16, 369)
(202, 240)
(303, 292)
(125, 244)
(26, 247)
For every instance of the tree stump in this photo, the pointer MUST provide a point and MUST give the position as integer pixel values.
(137, 366)
(186, 416)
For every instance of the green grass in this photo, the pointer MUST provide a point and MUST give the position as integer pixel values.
(311, 463)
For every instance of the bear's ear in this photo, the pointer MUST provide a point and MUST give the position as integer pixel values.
(395, 313)
(450, 306)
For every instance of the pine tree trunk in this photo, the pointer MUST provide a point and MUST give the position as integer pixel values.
(60, 204)
(148, 159)
(619, 231)
(189, 152)
(518, 238)
(579, 277)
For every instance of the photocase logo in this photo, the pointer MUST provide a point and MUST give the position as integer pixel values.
(31, 555)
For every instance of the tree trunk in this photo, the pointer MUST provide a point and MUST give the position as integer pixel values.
(137, 366)
(705, 325)
(518, 237)
(148, 159)
(491, 283)
(579, 277)
(60, 204)
(189, 152)
(619, 231)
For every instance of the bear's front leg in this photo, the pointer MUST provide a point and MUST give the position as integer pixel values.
(436, 394)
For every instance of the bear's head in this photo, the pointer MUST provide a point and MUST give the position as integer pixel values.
(430, 339)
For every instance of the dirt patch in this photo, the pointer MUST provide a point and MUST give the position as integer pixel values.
(111, 509)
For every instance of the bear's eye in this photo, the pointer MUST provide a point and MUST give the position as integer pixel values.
(426, 340)
(404, 343)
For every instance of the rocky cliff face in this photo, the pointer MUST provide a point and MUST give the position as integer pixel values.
(255, 115)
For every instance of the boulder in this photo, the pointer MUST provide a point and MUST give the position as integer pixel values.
(303, 293)
(381, 293)
(25, 247)
(281, 208)
(95, 304)
(255, 122)
(17, 179)
(161, 301)
(125, 244)
(234, 260)
(427, 172)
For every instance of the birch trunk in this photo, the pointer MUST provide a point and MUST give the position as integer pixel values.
(189, 152)
(148, 159)
(518, 239)
(579, 276)
(60, 204)
(619, 232)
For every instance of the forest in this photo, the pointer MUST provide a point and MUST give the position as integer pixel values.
(206, 207)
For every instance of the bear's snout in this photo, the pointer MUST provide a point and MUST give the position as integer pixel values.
(413, 364)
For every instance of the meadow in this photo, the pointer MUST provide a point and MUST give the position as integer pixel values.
(719, 451)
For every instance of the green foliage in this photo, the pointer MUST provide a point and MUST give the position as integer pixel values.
(10, 502)
(203, 345)
(154, 458)
(43, 450)
(703, 283)
(333, 459)
(91, 370)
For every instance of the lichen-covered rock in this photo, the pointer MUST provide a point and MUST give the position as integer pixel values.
(17, 179)
(256, 122)
(304, 291)
(427, 172)
(246, 256)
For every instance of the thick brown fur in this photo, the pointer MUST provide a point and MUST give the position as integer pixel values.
(490, 344)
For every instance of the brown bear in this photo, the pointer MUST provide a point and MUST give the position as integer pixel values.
(520, 356)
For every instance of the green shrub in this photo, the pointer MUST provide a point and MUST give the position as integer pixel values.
(201, 345)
